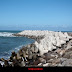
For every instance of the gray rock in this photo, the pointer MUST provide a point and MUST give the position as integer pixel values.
(45, 65)
(2, 59)
(32, 49)
(36, 62)
(64, 46)
(6, 63)
(34, 56)
(49, 61)
(29, 52)
(40, 64)
(63, 59)
(56, 61)
(68, 62)
(28, 46)
(18, 56)
(67, 54)
(59, 65)
(60, 51)
(36, 49)
(42, 60)
(24, 54)
(22, 64)
(48, 56)
(30, 56)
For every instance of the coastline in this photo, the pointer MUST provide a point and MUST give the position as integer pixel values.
(32, 55)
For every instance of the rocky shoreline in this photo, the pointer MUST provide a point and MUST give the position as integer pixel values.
(38, 38)
(59, 54)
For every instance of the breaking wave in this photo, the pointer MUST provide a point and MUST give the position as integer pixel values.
(6, 34)
(7, 55)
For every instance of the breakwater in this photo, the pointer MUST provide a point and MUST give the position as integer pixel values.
(50, 49)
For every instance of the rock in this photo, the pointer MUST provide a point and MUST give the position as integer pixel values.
(36, 62)
(25, 48)
(25, 54)
(43, 56)
(60, 65)
(64, 45)
(54, 56)
(50, 61)
(53, 62)
(6, 64)
(45, 40)
(53, 65)
(0, 65)
(11, 59)
(28, 46)
(18, 56)
(14, 58)
(45, 64)
(29, 52)
(40, 64)
(63, 59)
(56, 61)
(8, 59)
(15, 63)
(69, 45)
(67, 50)
(34, 56)
(10, 63)
(30, 56)
(68, 62)
(42, 60)
(13, 54)
(22, 64)
(60, 52)
(36, 49)
(2, 59)
(48, 56)
(20, 53)
(32, 49)
(67, 54)
(70, 56)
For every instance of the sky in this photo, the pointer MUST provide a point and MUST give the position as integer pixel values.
(53, 15)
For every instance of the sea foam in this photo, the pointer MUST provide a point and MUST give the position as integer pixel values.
(6, 34)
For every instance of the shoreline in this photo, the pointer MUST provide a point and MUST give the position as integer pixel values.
(31, 55)
(38, 38)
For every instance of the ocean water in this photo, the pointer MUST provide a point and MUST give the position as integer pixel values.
(9, 43)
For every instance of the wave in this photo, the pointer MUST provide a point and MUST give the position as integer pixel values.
(6, 55)
(6, 34)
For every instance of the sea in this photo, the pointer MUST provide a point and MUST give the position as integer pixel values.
(9, 43)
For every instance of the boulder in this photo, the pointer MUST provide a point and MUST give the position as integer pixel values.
(67, 54)
(18, 56)
(42, 60)
(45, 65)
(6, 64)
(22, 64)
(67, 62)
(13, 54)
(40, 64)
